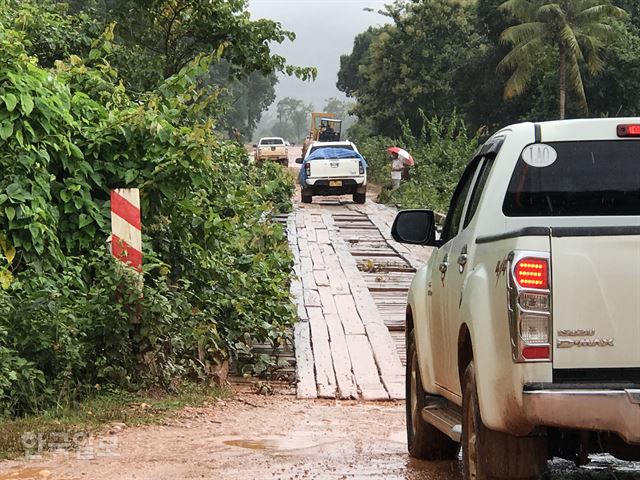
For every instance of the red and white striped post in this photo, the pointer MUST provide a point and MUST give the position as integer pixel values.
(126, 227)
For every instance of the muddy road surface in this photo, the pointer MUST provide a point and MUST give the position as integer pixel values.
(262, 438)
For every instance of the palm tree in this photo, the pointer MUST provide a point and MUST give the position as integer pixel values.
(577, 29)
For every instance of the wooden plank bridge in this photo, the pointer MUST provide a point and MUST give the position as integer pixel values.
(350, 292)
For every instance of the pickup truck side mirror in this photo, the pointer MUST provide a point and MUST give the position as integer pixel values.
(417, 227)
(299, 160)
(255, 145)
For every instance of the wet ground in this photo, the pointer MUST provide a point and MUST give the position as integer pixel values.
(278, 437)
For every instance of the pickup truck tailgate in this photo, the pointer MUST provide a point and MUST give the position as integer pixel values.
(335, 168)
(596, 301)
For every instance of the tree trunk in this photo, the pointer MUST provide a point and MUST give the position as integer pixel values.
(563, 81)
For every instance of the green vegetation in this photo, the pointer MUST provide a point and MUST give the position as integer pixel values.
(481, 65)
(578, 29)
(72, 126)
(443, 146)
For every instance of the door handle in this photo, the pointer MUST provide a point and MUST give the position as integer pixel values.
(462, 259)
(444, 265)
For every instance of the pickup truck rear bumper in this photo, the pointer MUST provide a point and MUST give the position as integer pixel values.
(339, 186)
(324, 182)
(586, 409)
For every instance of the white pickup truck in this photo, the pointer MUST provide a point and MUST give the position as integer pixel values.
(333, 168)
(272, 148)
(523, 329)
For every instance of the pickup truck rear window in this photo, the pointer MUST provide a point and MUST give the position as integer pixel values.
(271, 141)
(597, 178)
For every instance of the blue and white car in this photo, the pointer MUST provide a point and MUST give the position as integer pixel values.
(333, 168)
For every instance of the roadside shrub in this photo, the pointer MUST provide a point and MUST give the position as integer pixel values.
(216, 269)
(441, 152)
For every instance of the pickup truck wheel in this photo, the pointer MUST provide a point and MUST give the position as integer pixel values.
(487, 454)
(360, 198)
(424, 440)
(306, 198)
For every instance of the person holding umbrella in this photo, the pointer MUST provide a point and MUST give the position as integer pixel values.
(400, 159)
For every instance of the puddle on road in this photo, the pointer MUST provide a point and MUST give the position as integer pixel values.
(253, 444)
(26, 474)
(273, 445)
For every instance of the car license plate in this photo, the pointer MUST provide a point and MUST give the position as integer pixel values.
(335, 183)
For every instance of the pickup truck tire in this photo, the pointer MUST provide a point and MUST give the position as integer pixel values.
(306, 198)
(487, 454)
(425, 441)
(360, 197)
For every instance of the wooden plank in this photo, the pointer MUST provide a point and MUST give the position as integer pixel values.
(312, 298)
(399, 341)
(351, 321)
(331, 261)
(322, 236)
(308, 221)
(306, 384)
(334, 325)
(347, 388)
(297, 294)
(303, 245)
(330, 225)
(384, 225)
(387, 359)
(311, 235)
(339, 283)
(321, 278)
(296, 288)
(366, 305)
(316, 221)
(325, 375)
(316, 256)
(308, 278)
(364, 368)
(303, 316)
(327, 301)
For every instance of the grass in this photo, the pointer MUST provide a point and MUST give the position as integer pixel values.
(71, 425)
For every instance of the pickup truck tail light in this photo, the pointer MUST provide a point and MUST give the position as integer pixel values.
(532, 273)
(361, 167)
(307, 169)
(530, 314)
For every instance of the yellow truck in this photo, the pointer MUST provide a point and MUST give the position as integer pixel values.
(325, 127)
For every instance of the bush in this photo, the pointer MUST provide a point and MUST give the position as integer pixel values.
(216, 272)
(441, 153)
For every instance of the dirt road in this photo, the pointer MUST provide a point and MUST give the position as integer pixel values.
(262, 438)
(253, 437)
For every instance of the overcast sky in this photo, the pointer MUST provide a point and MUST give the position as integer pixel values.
(325, 29)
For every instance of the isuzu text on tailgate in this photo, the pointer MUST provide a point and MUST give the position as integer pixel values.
(523, 329)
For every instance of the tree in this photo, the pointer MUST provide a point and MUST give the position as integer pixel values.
(338, 107)
(243, 100)
(163, 36)
(349, 76)
(411, 64)
(295, 113)
(576, 29)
